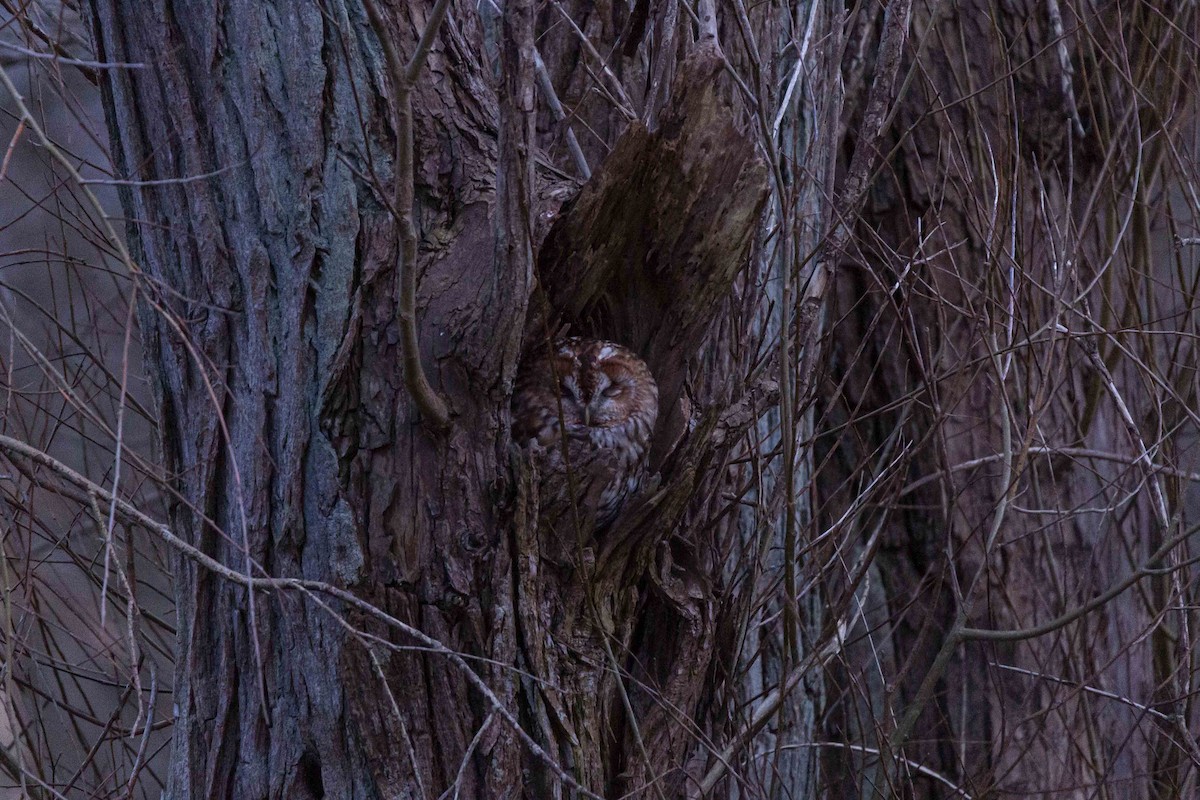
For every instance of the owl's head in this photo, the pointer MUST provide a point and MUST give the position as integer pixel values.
(602, 382)
(587, 388)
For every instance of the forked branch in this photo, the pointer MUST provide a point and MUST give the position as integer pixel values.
(404, 76)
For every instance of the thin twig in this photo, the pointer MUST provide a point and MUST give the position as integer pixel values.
(1065, 70)
(1068, 452)
(175, 323)
(622, 101)
(167, 181)
(12, 145)
(140, 760)
(560, 114)
(410, 750)
(881, 100)
(1149, 568)
(118, 447)
(858, 748)
(1084, 687)
(466, 759)
(70, 62)
(762, 713)
(307, 587)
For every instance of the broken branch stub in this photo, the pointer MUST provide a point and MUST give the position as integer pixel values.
(649, 249)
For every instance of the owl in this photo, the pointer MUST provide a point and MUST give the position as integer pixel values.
(604, 399)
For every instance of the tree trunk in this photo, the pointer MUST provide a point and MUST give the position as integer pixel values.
(270, 323)
(269, 316)
(860, 511)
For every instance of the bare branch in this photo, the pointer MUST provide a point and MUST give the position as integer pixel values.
(100, 494)
(431, 405)
(70, 62)
(547, 87)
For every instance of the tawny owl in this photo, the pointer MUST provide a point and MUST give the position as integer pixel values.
(605, 399)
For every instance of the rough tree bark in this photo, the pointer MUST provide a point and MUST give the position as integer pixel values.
(270, 330)
(273, 339)
(681, 652)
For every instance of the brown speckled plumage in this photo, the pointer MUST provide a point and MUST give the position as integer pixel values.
(604, 397)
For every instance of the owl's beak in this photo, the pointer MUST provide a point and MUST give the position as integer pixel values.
(587, 416)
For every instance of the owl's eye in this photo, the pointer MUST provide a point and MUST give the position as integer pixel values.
(612, 391)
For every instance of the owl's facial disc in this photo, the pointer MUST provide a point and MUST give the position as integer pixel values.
(600, 409)
(593, 398)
